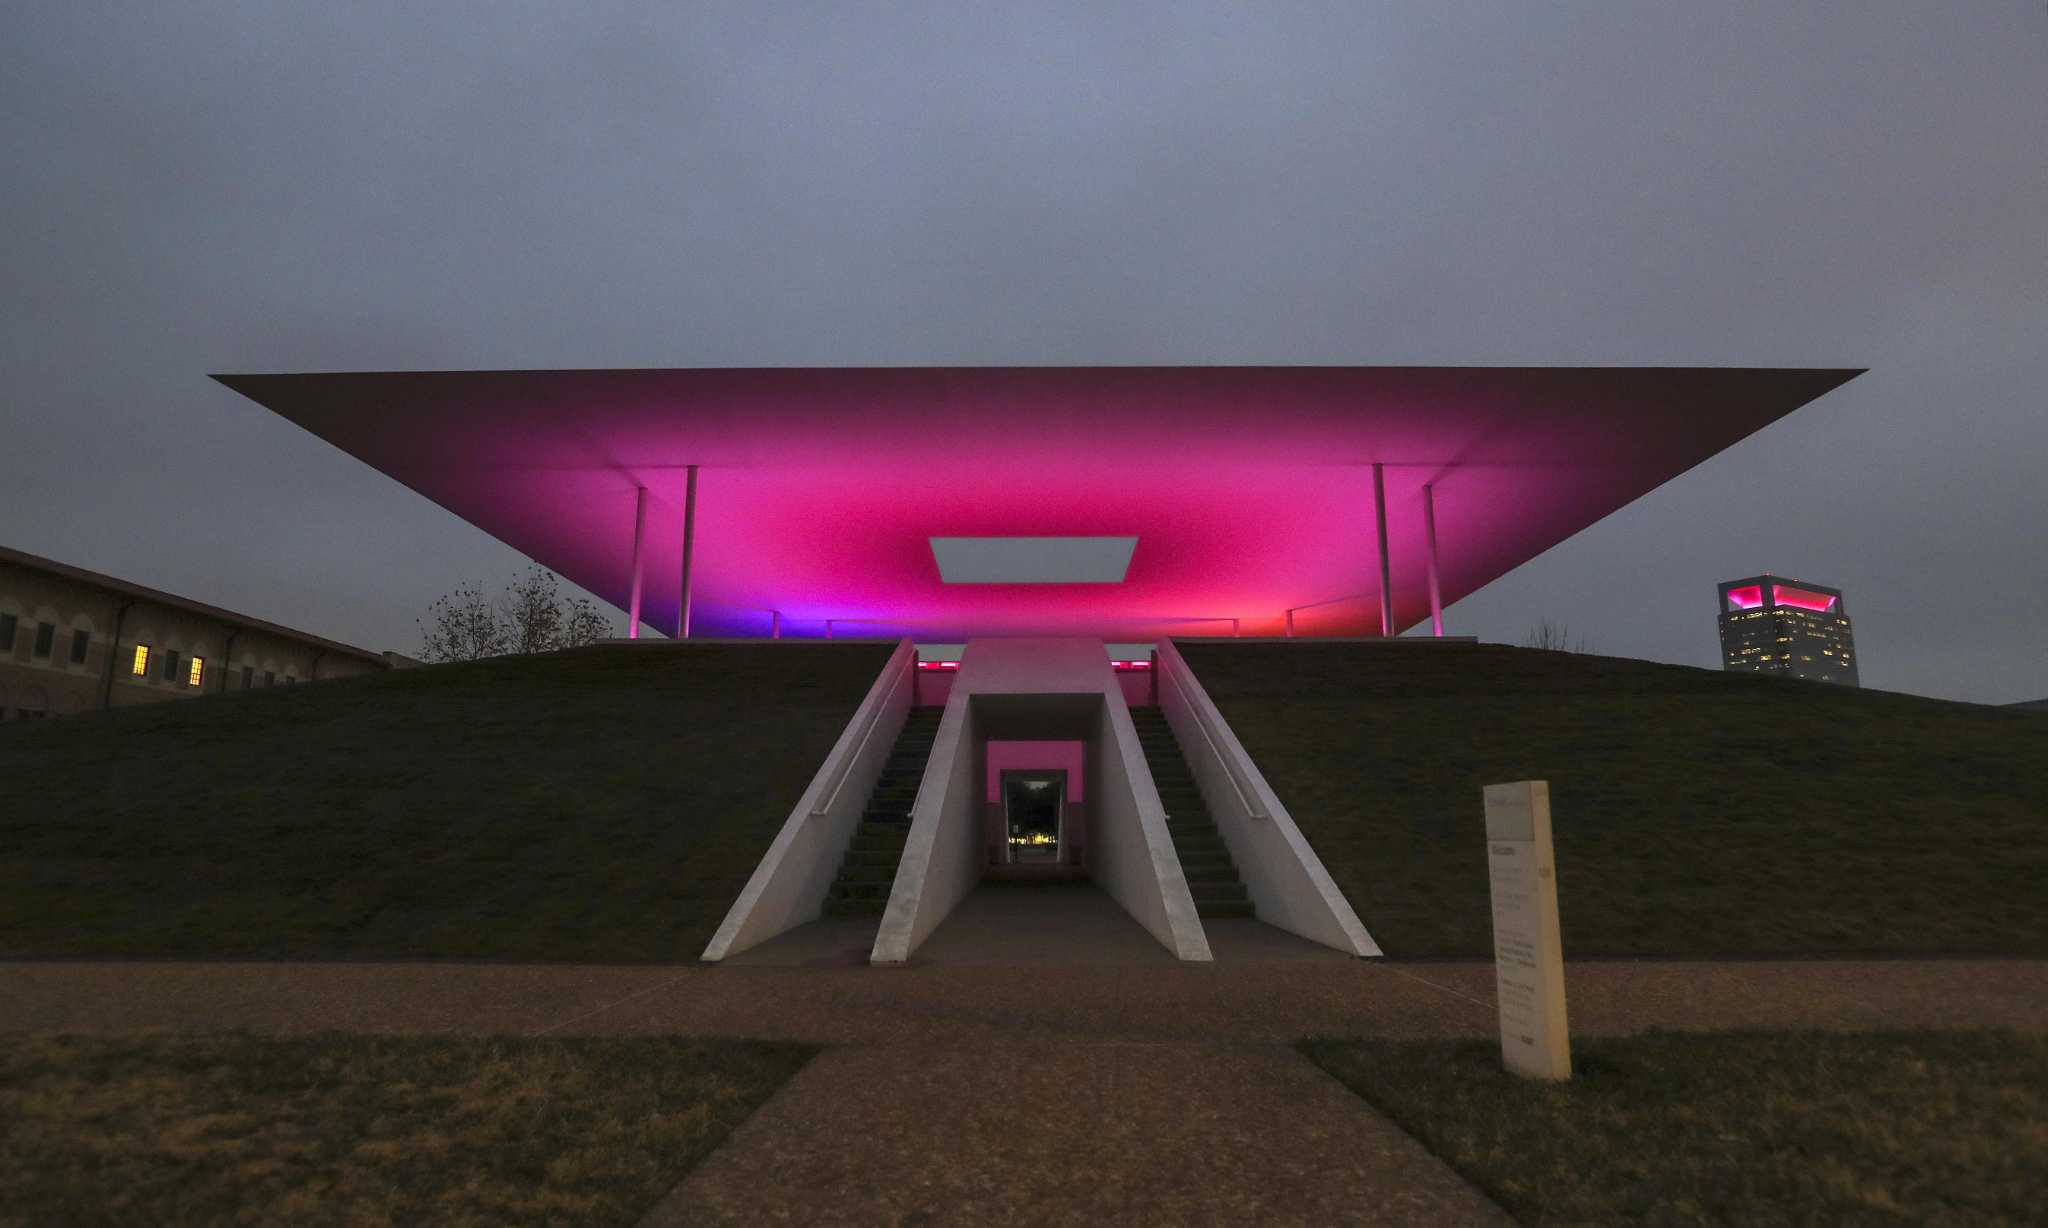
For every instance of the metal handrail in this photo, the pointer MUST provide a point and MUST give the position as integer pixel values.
(1251, 808)
(1333, 601)
(874, 718)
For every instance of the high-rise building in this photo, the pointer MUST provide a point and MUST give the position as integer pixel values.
(1772, 625)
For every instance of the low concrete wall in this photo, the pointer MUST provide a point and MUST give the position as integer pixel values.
(943, 853)
(1131, 853)
(788, 886)
(1288, 885)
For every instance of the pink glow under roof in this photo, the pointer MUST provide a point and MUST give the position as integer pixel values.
(1249, 489)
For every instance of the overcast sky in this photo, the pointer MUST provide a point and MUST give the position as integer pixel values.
(279, 187)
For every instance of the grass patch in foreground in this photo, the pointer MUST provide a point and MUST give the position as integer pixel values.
(1741, 1127)
(342, 1128)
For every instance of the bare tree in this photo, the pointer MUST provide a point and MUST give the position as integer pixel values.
(584, 624)
(530, 610)
(529, 616)
(1555, 637)
(462, 627)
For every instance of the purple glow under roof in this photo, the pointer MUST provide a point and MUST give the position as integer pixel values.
(1249, 489)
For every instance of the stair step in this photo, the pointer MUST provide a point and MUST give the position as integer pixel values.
(870, 908)
(1224, 908)
(860, 875)
(868, 872)
(1211, 891)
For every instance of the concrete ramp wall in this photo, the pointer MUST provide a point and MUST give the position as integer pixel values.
(1133, 857)
(941, 859)
(788, 886)
(1289, 887)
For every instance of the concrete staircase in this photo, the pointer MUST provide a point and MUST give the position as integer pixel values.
(1204, 858)
(869, 871)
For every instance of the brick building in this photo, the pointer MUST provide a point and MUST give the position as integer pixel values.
(73, 640)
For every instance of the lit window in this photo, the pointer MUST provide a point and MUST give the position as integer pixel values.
(198, 671)
(141, 666)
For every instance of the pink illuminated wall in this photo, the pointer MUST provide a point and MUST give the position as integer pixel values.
(1249, 489)
(1005, 756)
(1800, 598)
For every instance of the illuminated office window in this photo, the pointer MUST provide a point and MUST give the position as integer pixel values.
(141, 666)
(198, 671)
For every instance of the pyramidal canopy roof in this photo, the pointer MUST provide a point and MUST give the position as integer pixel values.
(1248, 490)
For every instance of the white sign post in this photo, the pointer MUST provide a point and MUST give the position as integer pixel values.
(1528, 962)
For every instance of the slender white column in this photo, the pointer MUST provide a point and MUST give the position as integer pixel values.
(689, 544)
(639, 540)
(1436, 592)
(1379, 507)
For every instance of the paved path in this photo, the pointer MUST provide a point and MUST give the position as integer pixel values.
(991, 1004)
(1020, 1072)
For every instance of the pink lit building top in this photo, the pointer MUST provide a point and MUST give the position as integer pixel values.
(1772, 625)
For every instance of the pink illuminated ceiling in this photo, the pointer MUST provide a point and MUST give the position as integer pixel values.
(1249, 489)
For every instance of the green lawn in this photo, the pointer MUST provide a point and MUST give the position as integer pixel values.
(603, 804)
(1741, 1128)
(1697, 813)
(346, 1129)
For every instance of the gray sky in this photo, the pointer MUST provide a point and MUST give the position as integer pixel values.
(276, 187)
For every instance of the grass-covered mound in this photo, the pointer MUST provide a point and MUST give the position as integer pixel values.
(1696, 813)
(1749, 1127)
(603, 804)
(342, 1129)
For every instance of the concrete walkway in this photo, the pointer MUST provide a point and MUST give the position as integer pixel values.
(989, 1083)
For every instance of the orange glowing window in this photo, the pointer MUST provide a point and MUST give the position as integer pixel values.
(141, 665)
(198, 670)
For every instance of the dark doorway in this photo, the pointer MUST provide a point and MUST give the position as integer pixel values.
(1033, 802)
